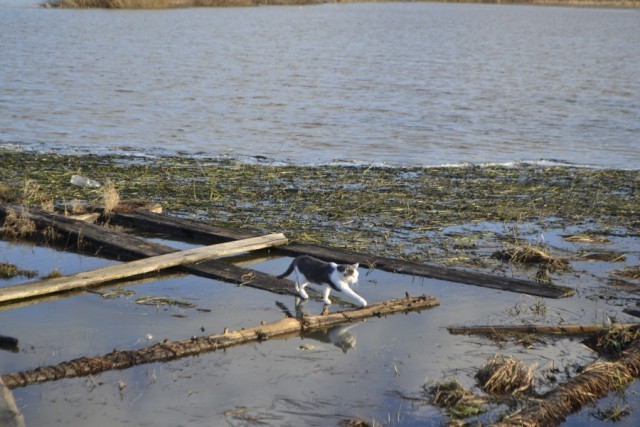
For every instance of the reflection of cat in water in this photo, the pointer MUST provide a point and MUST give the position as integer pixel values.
(338, 336)
(330, 275)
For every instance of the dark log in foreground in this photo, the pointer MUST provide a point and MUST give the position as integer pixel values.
(125, 270)
(540, 329)
(594, 382)
(207, 234)
(108, 242)
(169, 350)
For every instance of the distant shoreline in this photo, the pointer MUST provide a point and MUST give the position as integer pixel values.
(174, 4)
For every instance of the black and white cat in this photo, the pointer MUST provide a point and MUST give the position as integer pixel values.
(330, 275)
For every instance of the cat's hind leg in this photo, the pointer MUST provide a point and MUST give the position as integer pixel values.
(301, 291)
(325, 294)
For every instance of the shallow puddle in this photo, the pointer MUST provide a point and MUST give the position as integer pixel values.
(375, 370)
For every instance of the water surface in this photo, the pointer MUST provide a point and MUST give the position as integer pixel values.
(395, 83)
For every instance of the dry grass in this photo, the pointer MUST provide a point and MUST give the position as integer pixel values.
(168, 4)
(457, 400)
(613, 341)
(110, 197)
(632, 272)
(17, 224)
(528, 254)
(594, 382)
(8, 271)
(502, 376)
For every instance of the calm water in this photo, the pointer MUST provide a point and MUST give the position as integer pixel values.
(400, 83)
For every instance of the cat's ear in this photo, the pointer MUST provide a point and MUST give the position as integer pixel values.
(356, 265)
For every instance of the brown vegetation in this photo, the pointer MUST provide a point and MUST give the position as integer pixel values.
(171, 4)
(503, 376)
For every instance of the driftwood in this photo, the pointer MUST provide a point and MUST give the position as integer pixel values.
(135, 268)
(207, 234)
(594, 382)
(95, 240)
(539, 329)
(170, 350)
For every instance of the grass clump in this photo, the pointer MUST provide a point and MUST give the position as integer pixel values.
(505, 376)
(459, 402)
(17, 224)
(613, 341)
(9, 271)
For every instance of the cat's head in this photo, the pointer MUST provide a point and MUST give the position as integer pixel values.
(349, 272)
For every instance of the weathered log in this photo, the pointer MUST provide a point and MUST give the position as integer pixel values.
(539, 329)
(170, 350)
(595, 381)
(135, 268)
(108, 242)
(207, 234)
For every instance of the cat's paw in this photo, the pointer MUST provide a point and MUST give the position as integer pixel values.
(303, 294)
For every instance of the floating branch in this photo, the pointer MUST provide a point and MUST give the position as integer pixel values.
(594, 382)
(171, 350)
(539, 329)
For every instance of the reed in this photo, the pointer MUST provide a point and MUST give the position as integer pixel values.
(168, 4)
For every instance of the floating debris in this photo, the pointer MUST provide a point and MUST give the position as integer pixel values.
(606, 256)
(164, 301)
(501, 376)
(8, 271)
(613, 341)
(632, 272)
(530, 255)
(587, 238)
(459, 402)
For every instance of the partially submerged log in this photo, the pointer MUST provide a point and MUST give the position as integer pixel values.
(135, 268)
(594, 382)
(539, 329)
(170, 350)
(108, 242)
(207, 234)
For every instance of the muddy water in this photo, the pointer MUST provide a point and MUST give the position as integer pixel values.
(364, 370)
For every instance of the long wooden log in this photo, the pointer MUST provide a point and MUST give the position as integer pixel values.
(134, 268)
(207, 234)
(539, 329)
(595, 381)
(108, 242)
(170, 350)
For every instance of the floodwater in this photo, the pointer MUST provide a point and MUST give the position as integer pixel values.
(396, 83)
(375, 370)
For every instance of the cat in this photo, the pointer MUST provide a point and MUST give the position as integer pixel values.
(331, 275)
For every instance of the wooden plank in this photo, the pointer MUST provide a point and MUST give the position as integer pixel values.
(204, 233)
(135, 268)
(108, 242)
(170, 350)
(9, 414)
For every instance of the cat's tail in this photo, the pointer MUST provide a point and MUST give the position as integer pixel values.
(289, 270)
